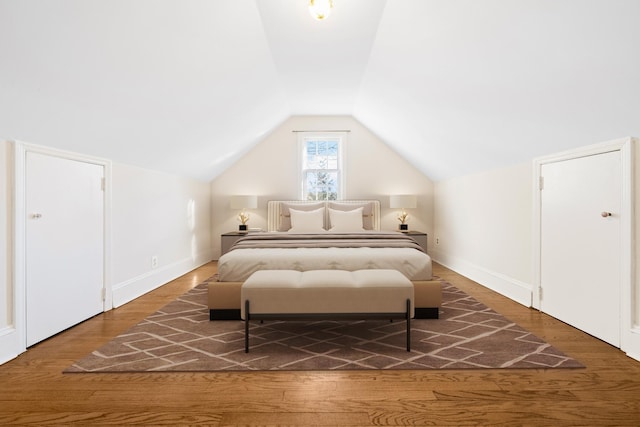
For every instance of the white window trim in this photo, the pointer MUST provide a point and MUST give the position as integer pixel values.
(342, 193)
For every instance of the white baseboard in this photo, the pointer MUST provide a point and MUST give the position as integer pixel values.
(10, 348)
(131, 289)
(631, 342)
(635, 356)
(514, 289)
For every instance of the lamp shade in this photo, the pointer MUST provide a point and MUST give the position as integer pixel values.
(244, 202)
(403, 201)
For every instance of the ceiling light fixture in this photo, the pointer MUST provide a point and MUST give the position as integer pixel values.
(320, 9)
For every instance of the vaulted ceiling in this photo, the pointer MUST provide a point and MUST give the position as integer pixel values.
(189, 86)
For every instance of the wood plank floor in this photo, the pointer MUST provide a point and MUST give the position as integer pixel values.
(33, 390)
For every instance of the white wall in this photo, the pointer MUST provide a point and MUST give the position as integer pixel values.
(636, 172)
(483, 223)
(6, 295)
(156, 214)
(270, 171)
(9, 337)
(631, 337)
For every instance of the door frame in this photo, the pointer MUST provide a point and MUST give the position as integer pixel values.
(19, 250)
(627, 250)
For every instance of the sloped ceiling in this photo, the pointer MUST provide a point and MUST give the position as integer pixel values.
(189, 86)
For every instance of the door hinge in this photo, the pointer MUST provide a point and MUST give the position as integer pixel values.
(102, 183)
(104, 294)
(541, 183)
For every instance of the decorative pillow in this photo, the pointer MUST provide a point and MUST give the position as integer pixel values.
(346, 220)
(285, 216)
(307, 221)
(367, 212)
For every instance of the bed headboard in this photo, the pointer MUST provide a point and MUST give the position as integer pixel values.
(277, 211)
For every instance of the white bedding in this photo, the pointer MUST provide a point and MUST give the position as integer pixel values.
(239, 264)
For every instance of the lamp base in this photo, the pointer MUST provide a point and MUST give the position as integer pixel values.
(242, 227)
(404, 227)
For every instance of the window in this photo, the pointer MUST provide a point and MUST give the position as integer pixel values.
(321, 165)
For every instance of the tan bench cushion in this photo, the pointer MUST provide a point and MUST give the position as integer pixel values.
(226, 295)
(327, 291)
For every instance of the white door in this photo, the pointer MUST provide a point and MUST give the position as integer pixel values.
(580, 255)
(64, 244)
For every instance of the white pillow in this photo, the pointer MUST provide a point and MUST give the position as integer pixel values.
(285, 217)
(346, 220)
(307, 221)
(367, 211)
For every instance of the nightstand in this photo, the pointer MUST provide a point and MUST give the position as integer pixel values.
(228, 239)
(419, 237)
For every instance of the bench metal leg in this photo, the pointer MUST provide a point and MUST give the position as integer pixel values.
(247, 317)
(408, 324)
(246, 326)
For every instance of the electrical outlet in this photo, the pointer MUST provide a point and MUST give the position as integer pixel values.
(437, 240)
(154, 261)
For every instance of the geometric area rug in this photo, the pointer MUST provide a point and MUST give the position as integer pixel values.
(181, 338)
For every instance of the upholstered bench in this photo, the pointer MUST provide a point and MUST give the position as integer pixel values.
(336, 294)
(224, 299)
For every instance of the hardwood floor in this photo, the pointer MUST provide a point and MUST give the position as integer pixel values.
(33, 390)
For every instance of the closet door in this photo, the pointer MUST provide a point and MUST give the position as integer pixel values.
(580, 273)
(64, 244)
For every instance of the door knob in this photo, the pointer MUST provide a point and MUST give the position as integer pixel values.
(605, 214)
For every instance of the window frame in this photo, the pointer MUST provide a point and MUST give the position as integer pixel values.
(303, 138)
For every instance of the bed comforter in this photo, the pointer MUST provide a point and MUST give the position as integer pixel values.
(340, 251)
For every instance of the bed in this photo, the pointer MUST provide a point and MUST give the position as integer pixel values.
(312, 235)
